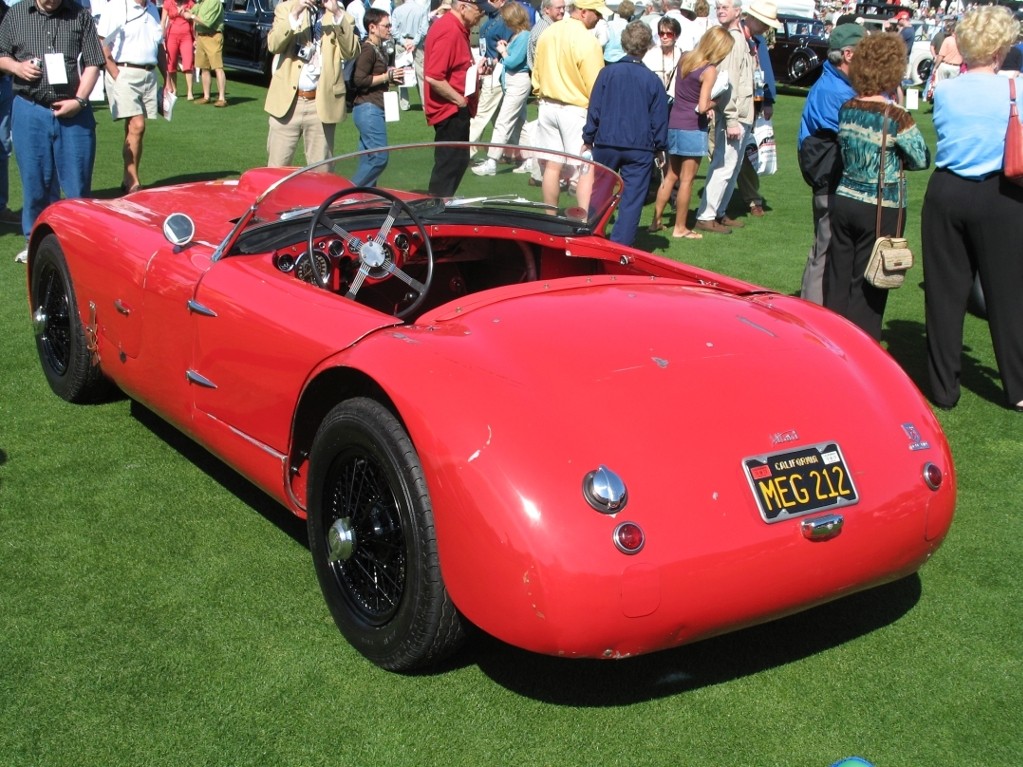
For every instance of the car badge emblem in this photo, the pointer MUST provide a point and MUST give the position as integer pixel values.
(784, 436)
(916, 442)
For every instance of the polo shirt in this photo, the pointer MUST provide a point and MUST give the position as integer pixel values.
(567, 62)
(447, 56)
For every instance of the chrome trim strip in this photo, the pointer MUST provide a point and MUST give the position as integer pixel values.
(197, 308)
(201, 380)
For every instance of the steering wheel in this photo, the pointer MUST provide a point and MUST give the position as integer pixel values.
(374, 258)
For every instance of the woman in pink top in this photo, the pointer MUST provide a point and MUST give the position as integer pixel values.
(179, 38)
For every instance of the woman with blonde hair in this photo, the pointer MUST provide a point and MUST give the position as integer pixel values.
(688, 126)
(972, 218)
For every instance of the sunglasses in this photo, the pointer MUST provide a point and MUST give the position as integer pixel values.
(666, 34)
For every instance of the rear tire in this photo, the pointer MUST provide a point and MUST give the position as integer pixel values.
(371, 533)
(60, 336)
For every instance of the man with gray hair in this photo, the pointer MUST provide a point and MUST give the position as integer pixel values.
(732, 128)
(550, 11)
(627, 124)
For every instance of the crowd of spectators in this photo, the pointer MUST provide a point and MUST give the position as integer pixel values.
(648, 89)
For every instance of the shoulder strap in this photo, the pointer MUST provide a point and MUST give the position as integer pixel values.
(880, 176)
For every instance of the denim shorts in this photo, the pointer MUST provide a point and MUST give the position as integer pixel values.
(687, 143)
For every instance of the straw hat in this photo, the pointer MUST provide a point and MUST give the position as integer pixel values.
(765, 11)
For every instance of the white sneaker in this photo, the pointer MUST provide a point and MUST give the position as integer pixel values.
(525, 167)
(485, 168)
(403, 105)
(22, 257)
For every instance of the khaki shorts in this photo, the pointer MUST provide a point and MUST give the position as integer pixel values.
(209, 51)
(132, 93)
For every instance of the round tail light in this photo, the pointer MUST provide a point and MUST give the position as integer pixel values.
(629, 538)
(932, 475)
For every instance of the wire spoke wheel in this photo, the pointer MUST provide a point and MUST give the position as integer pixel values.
(373, 574)
(371, 533)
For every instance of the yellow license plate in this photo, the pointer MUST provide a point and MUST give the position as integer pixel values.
(798, 482)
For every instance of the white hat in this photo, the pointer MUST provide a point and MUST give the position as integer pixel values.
(765, 11)
(688, 5)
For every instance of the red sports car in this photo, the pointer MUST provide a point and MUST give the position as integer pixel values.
(489, 413)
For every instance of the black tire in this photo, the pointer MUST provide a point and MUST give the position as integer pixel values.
(801, 64)
(60, 337)
(372, 537)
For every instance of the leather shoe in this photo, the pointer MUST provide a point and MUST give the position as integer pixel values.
(756, 210)
(712, 226)
(731, 222)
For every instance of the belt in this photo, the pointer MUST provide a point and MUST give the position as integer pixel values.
(147, 67)
(38, 102)
(307, 95)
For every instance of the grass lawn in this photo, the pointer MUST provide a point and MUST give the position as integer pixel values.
(155, 609)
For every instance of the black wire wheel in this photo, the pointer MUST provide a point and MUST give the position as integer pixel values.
(372, 537)
(60, 336)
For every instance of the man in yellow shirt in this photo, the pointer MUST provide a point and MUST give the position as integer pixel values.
(568, 58)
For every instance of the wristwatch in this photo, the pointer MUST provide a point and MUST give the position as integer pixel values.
(81, 102)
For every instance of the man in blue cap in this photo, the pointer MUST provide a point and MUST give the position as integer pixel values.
(819, 158)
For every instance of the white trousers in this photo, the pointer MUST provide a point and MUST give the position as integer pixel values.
(512, 115)
(490, 99)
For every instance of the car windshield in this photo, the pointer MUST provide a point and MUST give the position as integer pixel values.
(579, 198)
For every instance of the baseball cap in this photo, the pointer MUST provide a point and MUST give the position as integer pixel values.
(483, 5)
(845, 36)
(688, 5)
(903, 14)
(594, 5)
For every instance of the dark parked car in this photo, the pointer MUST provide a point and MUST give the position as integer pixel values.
(800, 49)
(246, 24)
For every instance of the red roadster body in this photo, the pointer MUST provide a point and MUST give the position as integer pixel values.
(489, 413)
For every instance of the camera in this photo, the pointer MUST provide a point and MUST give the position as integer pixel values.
(305, 52)
(36, 61)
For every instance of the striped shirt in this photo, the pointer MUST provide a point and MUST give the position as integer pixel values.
(27, 32)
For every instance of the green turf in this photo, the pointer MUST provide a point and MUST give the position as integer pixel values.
(156, 610)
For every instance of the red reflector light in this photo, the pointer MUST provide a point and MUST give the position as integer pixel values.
(932, 476)
(629, 538)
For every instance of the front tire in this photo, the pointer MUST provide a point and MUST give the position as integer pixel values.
(374, 548)
(60, 337)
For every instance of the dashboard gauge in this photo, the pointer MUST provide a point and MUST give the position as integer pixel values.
(336, 248)
(401, 240)
(285, 262)
(319, 262)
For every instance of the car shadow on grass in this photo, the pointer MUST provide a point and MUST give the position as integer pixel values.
(223, 475)
(594, 683)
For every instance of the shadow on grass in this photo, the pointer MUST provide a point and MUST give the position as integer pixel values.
(907, 343)
(594, 683)
(607, 683)
(223, 475)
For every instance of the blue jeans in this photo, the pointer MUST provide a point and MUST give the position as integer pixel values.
(369, 119)
(54, 155)
(6, 96)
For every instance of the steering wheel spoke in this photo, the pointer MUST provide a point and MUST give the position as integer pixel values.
(374, 253)
(385, 228)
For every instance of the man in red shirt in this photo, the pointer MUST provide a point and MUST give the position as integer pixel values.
(447, 60)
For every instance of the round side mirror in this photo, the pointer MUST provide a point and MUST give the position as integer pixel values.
(179, 229)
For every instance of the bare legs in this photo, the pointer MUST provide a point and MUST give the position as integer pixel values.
(680, 170)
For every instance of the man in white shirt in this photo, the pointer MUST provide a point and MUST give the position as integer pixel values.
(132, 43)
